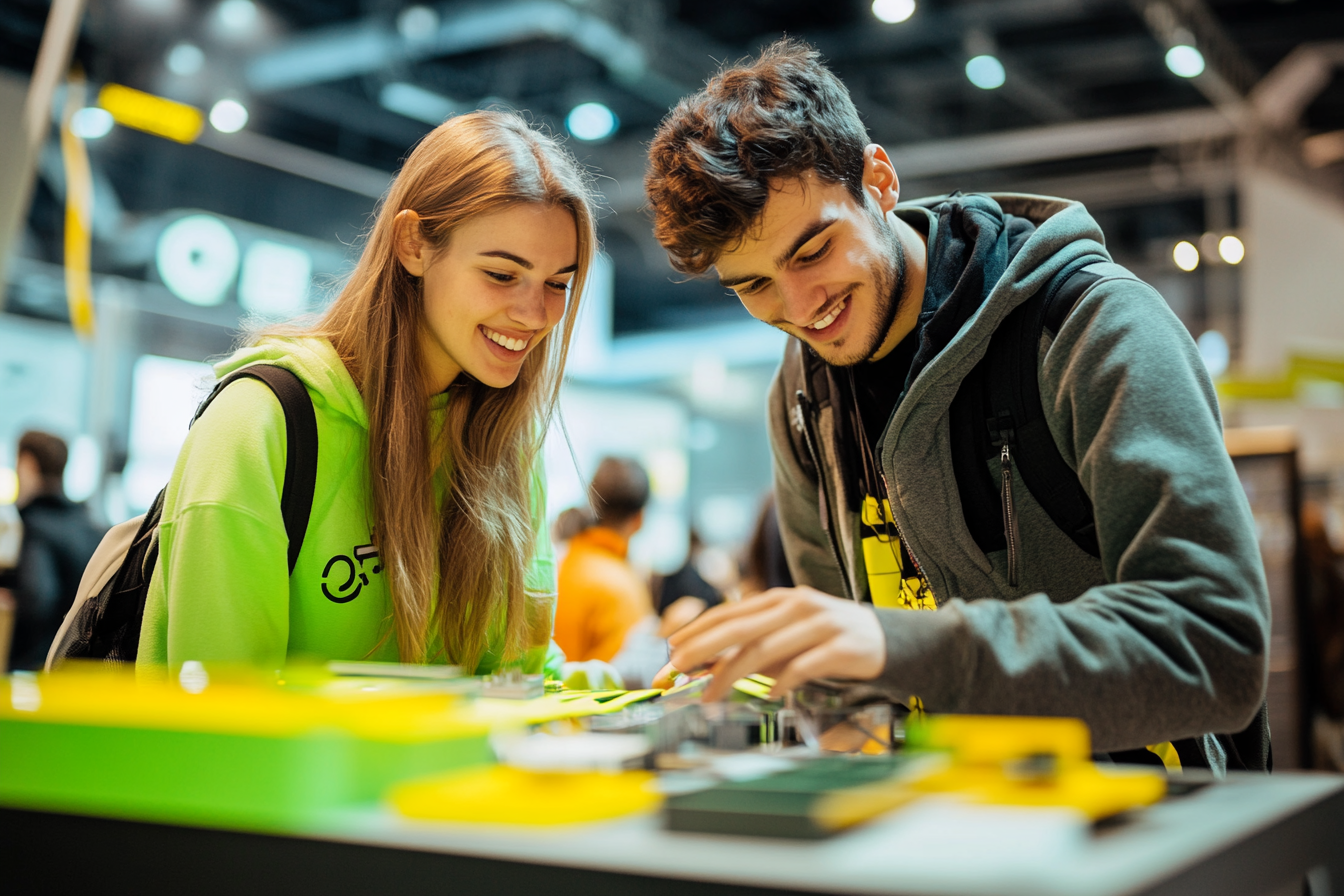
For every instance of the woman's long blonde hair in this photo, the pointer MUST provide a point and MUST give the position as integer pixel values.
(480, 541)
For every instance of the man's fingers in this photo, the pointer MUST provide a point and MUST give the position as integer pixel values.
(695, 652)
(719, 615)
(776, 648)
(822, 661)
(664, 678)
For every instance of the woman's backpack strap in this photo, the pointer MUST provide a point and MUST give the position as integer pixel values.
(296, 498)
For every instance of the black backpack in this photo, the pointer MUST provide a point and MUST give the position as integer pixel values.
(104, 621)
(997, 415)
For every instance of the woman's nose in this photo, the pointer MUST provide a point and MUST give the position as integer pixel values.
(530, 308)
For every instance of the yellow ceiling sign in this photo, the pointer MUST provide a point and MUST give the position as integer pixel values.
(151, 114)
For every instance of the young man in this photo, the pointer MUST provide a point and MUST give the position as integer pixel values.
(926, 562)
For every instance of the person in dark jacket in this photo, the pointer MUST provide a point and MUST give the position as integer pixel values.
(58, 540)
(1159, 639)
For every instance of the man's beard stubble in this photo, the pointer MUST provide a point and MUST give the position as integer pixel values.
(887, 281)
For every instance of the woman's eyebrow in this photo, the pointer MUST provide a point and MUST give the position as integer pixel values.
(523, 262)
(500, 253)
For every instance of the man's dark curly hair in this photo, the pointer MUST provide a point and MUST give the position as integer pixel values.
(715, 154)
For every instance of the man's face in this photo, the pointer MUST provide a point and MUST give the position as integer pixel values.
(822, 266)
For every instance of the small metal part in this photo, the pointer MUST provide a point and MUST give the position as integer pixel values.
(514, 685)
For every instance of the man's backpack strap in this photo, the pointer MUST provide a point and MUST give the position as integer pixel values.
(296, 497)
(1013, 412)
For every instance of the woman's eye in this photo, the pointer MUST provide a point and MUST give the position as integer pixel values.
(501, 278)
(817, 254)
(558, 286)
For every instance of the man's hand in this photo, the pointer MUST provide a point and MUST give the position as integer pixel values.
(793, 635)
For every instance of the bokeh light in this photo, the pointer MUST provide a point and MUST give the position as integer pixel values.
(986, 72)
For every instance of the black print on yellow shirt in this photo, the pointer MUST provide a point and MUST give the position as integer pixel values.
(346, 574)
(893, 579)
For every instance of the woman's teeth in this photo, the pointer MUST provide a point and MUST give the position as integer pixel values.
(513, 345)
(830, 318)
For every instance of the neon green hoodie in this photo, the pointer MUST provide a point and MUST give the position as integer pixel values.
(221, 590)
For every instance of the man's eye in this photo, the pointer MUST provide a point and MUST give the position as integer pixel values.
(817, 254)
(747, 289)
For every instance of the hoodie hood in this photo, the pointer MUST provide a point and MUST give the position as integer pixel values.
(1050, 235)
(314, 360)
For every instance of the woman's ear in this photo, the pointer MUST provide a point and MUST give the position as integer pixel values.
(879, 177)
(409, 242)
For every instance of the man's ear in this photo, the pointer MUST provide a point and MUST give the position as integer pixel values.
(408, 242)
(879, 177)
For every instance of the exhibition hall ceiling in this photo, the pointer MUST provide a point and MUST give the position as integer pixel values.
(348, 87)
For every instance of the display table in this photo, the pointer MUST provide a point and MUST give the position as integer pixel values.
(1249, 835)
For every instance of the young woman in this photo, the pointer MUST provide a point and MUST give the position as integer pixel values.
(432, 375)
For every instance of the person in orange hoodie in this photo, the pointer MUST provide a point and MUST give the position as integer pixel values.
(601, 596)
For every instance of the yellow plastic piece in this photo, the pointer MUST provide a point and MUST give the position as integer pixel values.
(758, 686)
(1093, 791)
(230, 703)
(1022, 761)
(553, 707)
(976, 740)
(501, 794)
(1166, 751)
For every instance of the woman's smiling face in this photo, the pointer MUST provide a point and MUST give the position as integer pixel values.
(493, 291)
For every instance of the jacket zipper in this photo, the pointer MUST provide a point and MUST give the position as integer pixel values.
(1009, 511)
(805, 418)
(919, 570)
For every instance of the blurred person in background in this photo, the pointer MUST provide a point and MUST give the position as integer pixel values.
(925, 567)
(569, 523)
(765, 565)
(601, 596)
(686, 581)
(433, 376)
(645, 650)
(59, 537)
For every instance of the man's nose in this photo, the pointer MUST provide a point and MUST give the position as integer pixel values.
(802, 299)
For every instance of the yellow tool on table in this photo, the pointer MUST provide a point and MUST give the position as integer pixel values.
(1002, 760)
(501, 794)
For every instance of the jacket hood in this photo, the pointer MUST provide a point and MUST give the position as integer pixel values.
(1064, 233)
(313, 360)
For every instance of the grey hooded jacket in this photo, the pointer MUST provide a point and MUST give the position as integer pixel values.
(1162, 638)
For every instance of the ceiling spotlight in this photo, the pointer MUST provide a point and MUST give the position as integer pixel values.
(197, 258)
(185, 59)
(417, 102)
(1231, 249)
(985, 72)
(228, 116)
(90, 123)
(1185, 255)
(237, 15)
(591, 121)
(893, 11)
(418, 23)
(1185, 60)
